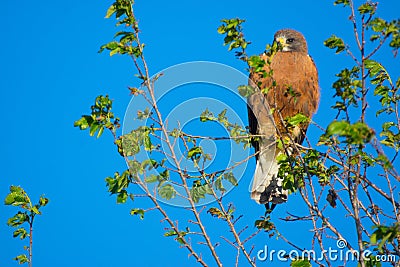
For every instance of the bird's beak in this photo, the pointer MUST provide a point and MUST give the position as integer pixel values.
(281, 41)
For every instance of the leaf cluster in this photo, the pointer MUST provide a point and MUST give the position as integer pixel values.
(204, 185)
(26, 215)
(130, 144)
(100, 118)
(178, 235)
(353, 134)
(295, 168)
(384, 235)
(234, 38)
(347, 87)
(265, 223)
(127, 40)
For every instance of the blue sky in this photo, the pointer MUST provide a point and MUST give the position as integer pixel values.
(50, 73)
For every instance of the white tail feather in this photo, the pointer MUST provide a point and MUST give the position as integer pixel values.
(267, 186)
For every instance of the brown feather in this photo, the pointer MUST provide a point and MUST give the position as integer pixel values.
(296, 71)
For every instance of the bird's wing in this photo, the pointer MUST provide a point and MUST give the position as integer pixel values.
(261, 123)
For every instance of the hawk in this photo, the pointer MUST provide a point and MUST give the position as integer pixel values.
(292, 89)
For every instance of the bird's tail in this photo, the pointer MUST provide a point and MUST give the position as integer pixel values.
(267, 186)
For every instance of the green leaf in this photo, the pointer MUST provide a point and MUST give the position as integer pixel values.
(245, 90)
(377, 24)
(198, 192)
(222, 116)
(346, 88)
(216, 213)
(134, 168)
(122, 197)
(84, 122)
(221, 29)
(257, 64)
(142, 115)
(125, 37)
(16, 189)
(167, 191)
(35, 210)
(337, 127)
(18, 219)
(265, 224)
(357, 133)
(297, 119)
(111, 10)
(94, 128)
(21, 259)
(373, 66)
(170, 233)
(139, 212)
(395, 42)
(147, 143)
(335, 42)
(111, 46)
(179, 236)
(21, 232)
(373, 239)
(151, 179)
(218, 184)
(119, 182)
(374, 37)
(180, 240)
(195, 152)
(176, 133)
(230, 178)
(100, 132)
(206, 115)
(17, 197)
(343, 2)
(300, 263)
(384, 162)
(128, 144)
(43, 201)
(367, 8)
(384, 234)
(165, 174)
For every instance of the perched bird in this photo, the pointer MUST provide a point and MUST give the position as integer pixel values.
(292, 89)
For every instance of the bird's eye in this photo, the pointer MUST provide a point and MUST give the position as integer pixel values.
(290, 40)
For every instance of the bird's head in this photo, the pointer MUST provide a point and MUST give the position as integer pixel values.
(291, 41)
